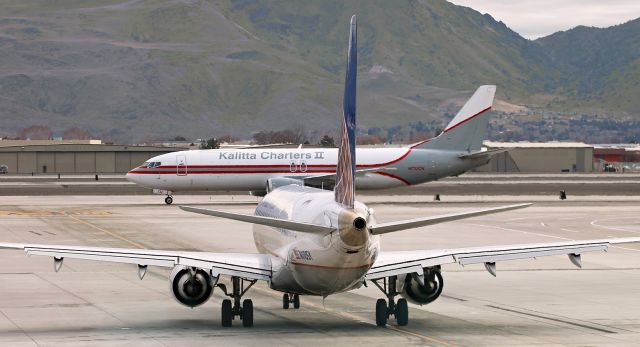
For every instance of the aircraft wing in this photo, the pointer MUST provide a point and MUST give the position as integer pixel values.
(246, 265)
(329, 180)
(399, 263)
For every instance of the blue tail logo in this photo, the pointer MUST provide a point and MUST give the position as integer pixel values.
(345, 171)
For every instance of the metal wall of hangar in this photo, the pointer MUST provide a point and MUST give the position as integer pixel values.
(543, 157)
(76, 158)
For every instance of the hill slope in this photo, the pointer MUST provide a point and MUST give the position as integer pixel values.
(130, 70)
(601, 66)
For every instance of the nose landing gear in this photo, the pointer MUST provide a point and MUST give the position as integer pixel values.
(168, 200)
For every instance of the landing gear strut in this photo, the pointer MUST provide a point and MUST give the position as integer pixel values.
(383, 310)
(290, 299)
(231, 310)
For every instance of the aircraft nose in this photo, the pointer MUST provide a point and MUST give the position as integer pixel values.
(131, 176)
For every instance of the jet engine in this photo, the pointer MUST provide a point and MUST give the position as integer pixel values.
(413, 290)
(190, 286)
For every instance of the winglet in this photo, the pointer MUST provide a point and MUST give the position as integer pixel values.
(344, 191)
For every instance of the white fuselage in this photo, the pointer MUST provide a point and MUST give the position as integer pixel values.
(314, 264)
(250, 169)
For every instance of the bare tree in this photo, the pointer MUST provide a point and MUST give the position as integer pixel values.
(35, 132)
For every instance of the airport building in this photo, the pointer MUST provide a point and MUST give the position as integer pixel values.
(77, 157)
(94, 157)
(540, 157)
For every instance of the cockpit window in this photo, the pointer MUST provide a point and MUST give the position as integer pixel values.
(151, 163)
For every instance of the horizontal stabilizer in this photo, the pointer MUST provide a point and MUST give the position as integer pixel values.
(420, 222)
(268, 221)
(482, 154)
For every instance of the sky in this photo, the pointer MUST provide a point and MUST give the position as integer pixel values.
(537, 18)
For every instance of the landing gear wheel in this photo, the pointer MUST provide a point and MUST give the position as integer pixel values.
(402, 312)
(227, 313)
(381, 312)
(296, 301)
(247, 313)
(168, 200)
(285, 301)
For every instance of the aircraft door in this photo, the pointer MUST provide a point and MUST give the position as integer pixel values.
(181, 165)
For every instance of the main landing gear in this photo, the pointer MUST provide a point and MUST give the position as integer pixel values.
(290, 299)
(231, 310)
(383, 310)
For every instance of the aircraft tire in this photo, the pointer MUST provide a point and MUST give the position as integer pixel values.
(381, 313)
(247, 313)
(296, 301)
(402, 312)
(285, 301)
(226, 313)
(168, 200)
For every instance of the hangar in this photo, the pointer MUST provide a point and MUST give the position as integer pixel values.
(540, 157)
(81, 157)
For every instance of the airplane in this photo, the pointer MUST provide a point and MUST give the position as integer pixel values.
(457, 149)
(318, 242)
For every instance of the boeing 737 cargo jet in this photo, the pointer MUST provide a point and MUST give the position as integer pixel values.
(317, 242)
(456, 150)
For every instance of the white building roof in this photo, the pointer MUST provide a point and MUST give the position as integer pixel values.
(524, 144)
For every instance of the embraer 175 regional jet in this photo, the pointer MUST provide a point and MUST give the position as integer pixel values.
(456, 150)
(318, 242)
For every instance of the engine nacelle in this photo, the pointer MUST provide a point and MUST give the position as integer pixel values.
(190, 286)
(411, 289)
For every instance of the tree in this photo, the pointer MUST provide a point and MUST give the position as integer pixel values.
(228, 139)
(327, 141)
(211, 143)
(179, 138)
(35, 132)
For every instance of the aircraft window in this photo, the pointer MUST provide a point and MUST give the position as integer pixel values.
(151, 163)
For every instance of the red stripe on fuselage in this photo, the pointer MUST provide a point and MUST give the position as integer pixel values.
(468, 119)
(266, 167)
(393, 176)
(228, 172)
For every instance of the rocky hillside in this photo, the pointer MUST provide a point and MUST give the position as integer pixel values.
(134, 70)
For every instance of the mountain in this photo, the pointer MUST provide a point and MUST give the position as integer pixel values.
(601, 66)
(134, 70)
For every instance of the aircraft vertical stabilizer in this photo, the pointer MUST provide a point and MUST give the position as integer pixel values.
(345, 171)
(468, 128)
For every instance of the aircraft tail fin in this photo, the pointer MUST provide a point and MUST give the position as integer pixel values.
(467, 129)
(344, 191)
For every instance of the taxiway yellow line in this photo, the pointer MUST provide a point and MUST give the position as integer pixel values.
(360, 319)
(121, 238)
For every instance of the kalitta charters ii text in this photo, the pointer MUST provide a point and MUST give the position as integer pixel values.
(270, 155)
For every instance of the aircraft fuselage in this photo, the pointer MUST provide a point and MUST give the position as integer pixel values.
(249, 169)
(314, 264)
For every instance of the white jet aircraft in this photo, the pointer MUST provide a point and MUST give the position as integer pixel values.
(261, 170)
(317, 242)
